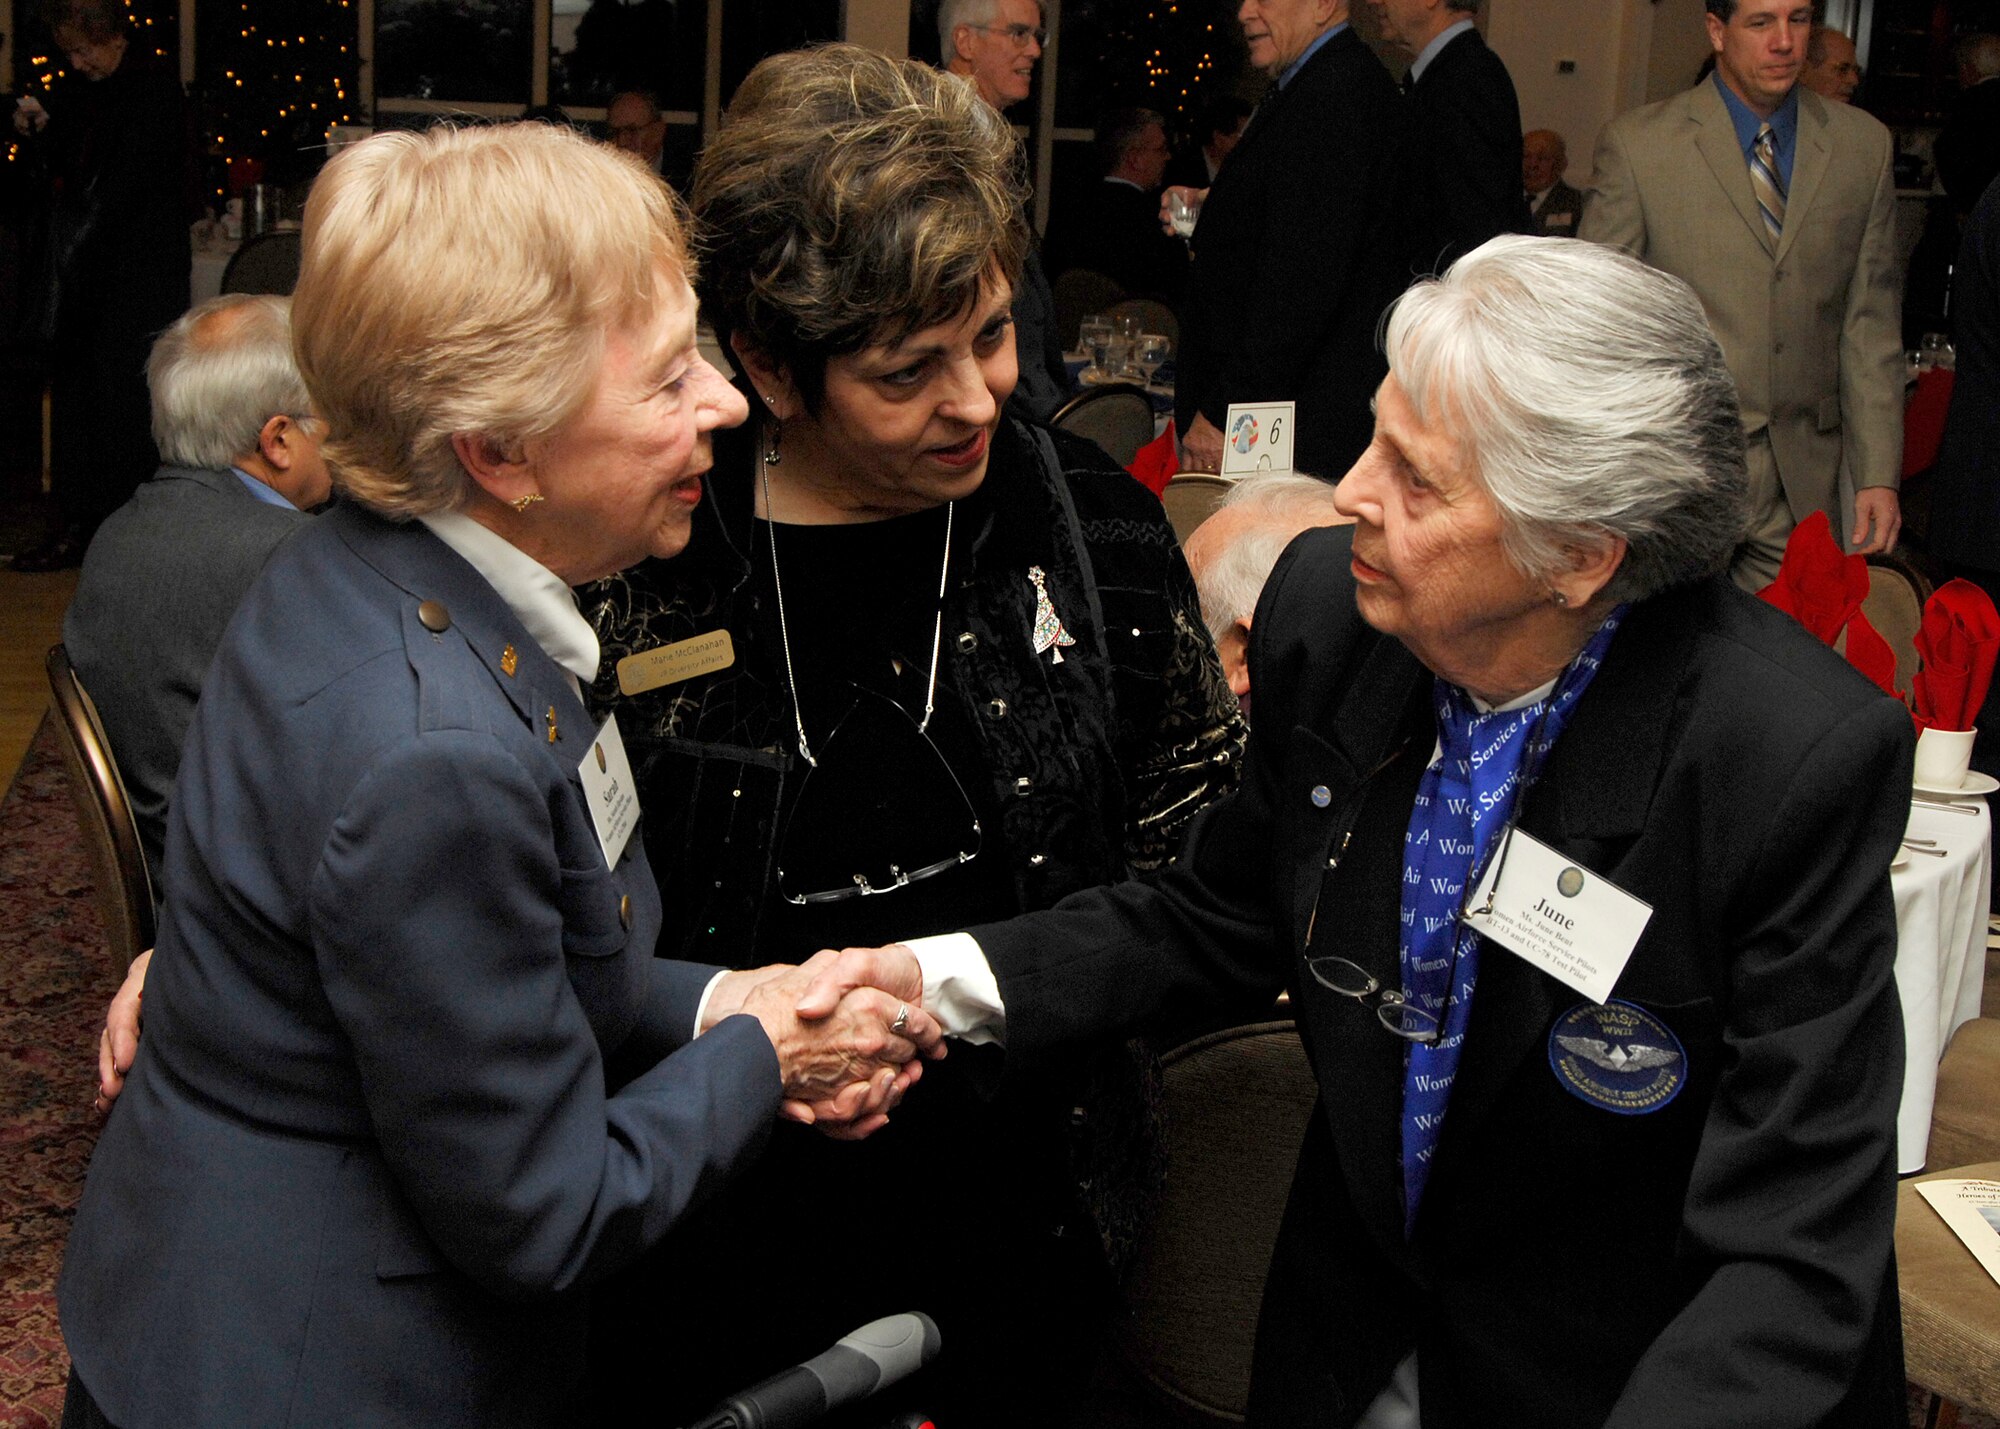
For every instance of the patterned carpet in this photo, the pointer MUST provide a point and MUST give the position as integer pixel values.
(55, 978)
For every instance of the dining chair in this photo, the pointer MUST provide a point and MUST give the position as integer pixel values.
(1894, 605)
(1117, 416)
(1078, 292)
(1153, 316)
(268, 263)
(1965, 1110)
(110, 833)
(1950, 1305)
(1236, 1104)
(1191, 498)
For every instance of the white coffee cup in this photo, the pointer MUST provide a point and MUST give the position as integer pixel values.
(1943, 756)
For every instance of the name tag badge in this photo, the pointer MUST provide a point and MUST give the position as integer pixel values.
(1577, 926)
(682, 660)
(609, 789)
(1257, 436)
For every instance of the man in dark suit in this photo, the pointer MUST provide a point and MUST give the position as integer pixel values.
(1554, 208)
(1965, 525)
(1113, 227)
(1467, 126)
(1522, 1201)
(1968, 147)
(1301, 243)
(168, 568)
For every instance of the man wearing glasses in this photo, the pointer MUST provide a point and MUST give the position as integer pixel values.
(996, 45)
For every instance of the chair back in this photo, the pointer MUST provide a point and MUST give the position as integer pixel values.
(268, 263)
(110, 833)
(1237, 1103)
(1079, 292)
(1894, 605)
(1117, 416)
(1191, 498)
(1153, 316)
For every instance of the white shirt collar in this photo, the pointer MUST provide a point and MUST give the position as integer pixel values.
(1443, 38)
(1117, 179)
(544, 605)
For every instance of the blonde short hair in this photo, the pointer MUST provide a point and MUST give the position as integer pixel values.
(850, 200)
(465, 281)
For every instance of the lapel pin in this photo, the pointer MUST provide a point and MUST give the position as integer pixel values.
(509, 662)
(551, 717)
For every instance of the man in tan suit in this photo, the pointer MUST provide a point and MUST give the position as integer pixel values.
(1779, 210)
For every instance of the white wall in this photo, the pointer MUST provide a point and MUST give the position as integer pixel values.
(1608, 41)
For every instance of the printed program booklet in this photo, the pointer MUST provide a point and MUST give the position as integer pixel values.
(1972, 1210)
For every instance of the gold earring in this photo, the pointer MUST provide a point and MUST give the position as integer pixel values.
(522, 503)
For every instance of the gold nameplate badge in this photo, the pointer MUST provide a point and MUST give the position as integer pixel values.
(682, 660)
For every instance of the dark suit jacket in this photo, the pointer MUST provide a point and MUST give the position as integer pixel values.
(1044, 384)
(1467, 124)
(1968, 147)
(370, 1151)
(161, 578)
(1301, 247)
(1559, 214)
(1114, 228)
(1723, 1259)
(1967, 499)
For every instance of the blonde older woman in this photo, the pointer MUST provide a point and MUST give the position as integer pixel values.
(412, 1075)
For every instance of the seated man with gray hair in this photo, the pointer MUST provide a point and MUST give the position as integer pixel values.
(1232, 552)
(240, 457)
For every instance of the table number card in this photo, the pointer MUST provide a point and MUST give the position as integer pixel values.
(1257, 436)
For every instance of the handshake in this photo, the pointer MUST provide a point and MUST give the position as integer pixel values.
(849, 1028)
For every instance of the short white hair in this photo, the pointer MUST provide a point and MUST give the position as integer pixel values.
(1278, 505)
(953, 13)
(219, 374)
(1592, 399)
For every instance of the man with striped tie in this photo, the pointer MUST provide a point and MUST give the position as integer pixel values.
(1779, 210)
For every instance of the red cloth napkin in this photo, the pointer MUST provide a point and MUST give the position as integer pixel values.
(1155, 463)
(1923, 420)
(1958, 641)
(1822, 589)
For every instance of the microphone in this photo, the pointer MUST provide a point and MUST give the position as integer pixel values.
(878, 1354)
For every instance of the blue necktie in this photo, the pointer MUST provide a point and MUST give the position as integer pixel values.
(1465, 799)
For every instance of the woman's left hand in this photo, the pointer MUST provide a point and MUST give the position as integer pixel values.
(118, 1043)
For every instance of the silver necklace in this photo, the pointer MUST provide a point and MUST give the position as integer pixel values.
(785, 633)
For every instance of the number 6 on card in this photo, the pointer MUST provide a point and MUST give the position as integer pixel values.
(1257, 436)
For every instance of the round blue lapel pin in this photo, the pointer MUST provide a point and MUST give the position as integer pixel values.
(1617, 1056)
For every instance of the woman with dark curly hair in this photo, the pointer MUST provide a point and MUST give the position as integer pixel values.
(920, 663)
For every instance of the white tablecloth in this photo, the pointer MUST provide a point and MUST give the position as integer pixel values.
(1941, 908)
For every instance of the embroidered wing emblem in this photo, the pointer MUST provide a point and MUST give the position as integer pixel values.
(1049, 632)
(1598, 1052)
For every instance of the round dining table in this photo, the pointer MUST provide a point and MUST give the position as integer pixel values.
(1942, 881)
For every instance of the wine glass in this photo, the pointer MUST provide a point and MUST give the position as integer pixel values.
(1093, 335)
(1150, 351)
(1124, 341)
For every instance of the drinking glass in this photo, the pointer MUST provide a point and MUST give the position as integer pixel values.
(1181, 214)
(1093, 335)
(1124, 345)
(1152, 349)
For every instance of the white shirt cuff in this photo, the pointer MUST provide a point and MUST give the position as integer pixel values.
(701, 1008)
(960, 990)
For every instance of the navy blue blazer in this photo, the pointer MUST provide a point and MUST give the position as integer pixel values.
(1719, 1256)
(375, 1140)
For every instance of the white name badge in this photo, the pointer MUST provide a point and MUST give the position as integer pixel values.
(609, 789)
(1577, 926)
(1257, 436)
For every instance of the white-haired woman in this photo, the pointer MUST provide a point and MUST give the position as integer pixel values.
(1575, 860)
(412, 1076)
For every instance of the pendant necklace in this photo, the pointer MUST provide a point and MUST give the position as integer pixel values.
(785, 634)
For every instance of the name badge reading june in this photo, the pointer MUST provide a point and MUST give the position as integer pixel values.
(1575, 925)
(609, 789)
(670, 664)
